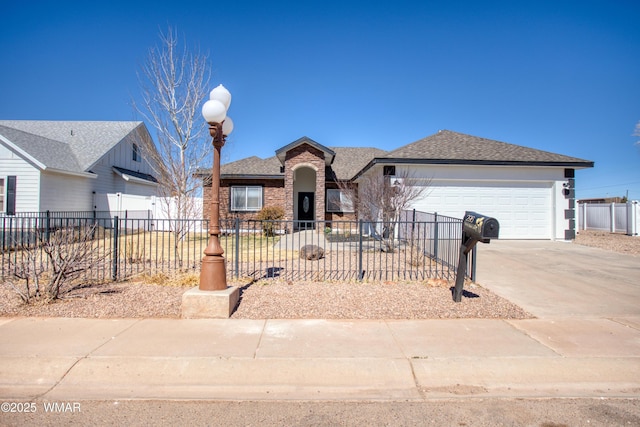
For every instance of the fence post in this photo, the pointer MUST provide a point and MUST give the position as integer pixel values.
(114, 257)
(435, 236)
(237, 248)
(413, 224)
(473, 264)
(612, 213)
(632, 218)
(11, 238)
(47, 225)
(361, 230)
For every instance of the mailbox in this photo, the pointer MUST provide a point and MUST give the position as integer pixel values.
(475, 228)
(479, 227)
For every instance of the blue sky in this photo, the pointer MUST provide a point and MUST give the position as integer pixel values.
(561, 76)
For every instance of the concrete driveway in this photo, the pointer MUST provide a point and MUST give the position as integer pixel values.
(561, 279)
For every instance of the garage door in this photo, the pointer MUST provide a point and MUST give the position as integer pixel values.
(523, 210)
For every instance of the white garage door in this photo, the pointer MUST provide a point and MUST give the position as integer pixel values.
(523, 210)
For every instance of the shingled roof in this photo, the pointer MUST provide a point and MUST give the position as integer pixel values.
(251, 167)
(350, 160)
(458, 148)
(444, 147)
(347, 161)
(73, 146)
(47, 152)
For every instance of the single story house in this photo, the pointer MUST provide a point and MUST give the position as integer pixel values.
(530, 192)
(66, 165)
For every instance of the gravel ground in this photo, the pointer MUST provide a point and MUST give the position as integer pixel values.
(620, 243)
(288, 300)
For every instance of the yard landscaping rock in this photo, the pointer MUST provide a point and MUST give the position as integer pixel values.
(279, 299)
(311, 252)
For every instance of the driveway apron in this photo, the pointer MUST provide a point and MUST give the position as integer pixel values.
(553, 279)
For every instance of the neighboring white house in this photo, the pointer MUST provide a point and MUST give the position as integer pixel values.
(68, 165)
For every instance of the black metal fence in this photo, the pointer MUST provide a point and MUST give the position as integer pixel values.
(417, 247)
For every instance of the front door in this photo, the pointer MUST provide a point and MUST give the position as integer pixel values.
(305, 210)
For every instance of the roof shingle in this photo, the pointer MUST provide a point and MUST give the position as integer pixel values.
(68, 145)
(458, 147)
(347, 161)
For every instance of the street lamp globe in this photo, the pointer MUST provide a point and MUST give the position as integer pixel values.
(214, 111)
(227, 126)
(221, 94)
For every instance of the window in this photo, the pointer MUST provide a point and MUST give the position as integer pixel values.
(136, 153)
(338, 201)
(246, 198)
(1, 194)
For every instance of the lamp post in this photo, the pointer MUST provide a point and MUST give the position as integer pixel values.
(213, 275)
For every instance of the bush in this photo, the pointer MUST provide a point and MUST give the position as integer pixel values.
(269, 215)
(54, 264)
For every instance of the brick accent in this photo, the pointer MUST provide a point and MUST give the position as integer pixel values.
(273, 195)
(278, 192)
(308, 155)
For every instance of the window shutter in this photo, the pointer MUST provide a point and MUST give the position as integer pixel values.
(11, 195)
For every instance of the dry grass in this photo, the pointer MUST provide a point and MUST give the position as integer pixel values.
(165, 279)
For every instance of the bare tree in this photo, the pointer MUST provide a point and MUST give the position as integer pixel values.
(174, 82)
(380, 199)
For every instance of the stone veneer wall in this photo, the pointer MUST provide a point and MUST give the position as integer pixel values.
(308, 155)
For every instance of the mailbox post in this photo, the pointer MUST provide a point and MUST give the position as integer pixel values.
(475, 228)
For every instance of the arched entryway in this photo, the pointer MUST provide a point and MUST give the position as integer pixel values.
(304, 195)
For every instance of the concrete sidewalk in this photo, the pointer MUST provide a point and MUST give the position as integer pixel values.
(73, 359)
(585, 342)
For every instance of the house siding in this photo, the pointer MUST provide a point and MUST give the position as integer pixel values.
(27, 180)
(61, 192)
(122, 155)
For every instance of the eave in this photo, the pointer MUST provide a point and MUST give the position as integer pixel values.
(247, 176)
(467, 162)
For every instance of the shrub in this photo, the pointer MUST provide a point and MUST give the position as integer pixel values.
(54, 264)
(269, 215)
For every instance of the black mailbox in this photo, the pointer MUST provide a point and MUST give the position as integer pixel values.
(475, 228)
(479, 227)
